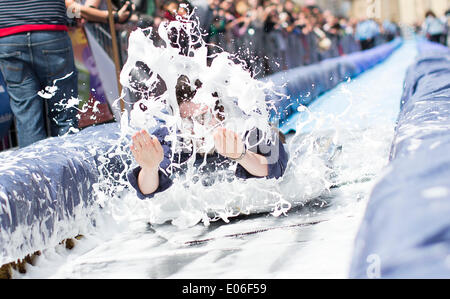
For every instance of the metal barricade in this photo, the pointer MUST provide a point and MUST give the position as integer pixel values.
(103, 36)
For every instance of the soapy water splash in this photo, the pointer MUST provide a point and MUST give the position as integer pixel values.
(72, 103)
(185, 54)
(201, 195)
(149, 78)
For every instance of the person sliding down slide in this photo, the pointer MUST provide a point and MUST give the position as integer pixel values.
(263, 158)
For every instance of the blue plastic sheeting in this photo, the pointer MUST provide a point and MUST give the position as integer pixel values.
(5, 109)
(46, 190)
(427, 47)
(406, 230)
(303, 85)
(349, 103)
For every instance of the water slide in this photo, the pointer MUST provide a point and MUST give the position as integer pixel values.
(406, 229)
(314, 239)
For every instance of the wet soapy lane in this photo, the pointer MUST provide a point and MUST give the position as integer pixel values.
(313, 240)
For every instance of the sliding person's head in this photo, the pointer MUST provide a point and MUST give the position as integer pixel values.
(191, 112)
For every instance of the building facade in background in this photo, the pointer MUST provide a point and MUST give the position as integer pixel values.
(401, 11)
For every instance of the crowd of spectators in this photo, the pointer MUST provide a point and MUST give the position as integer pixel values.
(275, 35)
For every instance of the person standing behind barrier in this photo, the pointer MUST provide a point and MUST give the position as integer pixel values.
(35, 53)
(274, 43)
(97, 11)
(366, 32)
(217, 29)
(433, 28)
(390, 30)
(248, 30)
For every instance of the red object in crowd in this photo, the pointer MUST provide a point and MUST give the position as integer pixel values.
(26, 28)
(169, 16)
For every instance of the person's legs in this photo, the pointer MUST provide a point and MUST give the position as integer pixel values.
(443, 40)
(53, 56)
(435, 38)
(23, 86)
(367, 44)
(364, 45)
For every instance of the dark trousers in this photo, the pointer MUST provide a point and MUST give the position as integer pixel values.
(437, 38)
(367, 44)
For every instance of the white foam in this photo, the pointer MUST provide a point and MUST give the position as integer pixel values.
(186, 203)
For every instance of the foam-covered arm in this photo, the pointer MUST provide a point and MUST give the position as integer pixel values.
(164, 183)
(273, 151)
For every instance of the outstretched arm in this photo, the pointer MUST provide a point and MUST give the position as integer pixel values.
(230, 145)
(149, 154)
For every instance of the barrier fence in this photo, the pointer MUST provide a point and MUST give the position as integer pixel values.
(278, 50)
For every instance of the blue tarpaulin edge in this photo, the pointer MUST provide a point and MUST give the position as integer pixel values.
(303, 85)
(405, 232)
(47, 189)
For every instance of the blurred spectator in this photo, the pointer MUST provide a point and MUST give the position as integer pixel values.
(97, 11)
(390, 30)
(366, 33)
(36, 58)
(434, 28)
(273, 35)
(447, 19)
(146, 7)
(268, 36)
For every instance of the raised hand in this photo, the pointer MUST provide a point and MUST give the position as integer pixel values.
(123, 12)
(228, 143)
(147, 150)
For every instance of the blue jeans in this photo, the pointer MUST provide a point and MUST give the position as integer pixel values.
(30, 62)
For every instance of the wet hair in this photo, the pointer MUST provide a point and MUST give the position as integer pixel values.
(137, 77)
(185, 94)
(184, 91)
